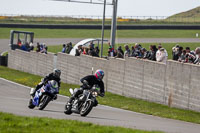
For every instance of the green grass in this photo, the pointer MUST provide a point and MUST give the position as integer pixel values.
(83, 33)
(19, 124)
(167, 46)
(110, 99)
(5, 53)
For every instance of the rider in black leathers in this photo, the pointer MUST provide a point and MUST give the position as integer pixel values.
(88, 82)
(55, 75)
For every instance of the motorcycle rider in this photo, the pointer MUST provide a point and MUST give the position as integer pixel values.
(88, 82)
(55, 75)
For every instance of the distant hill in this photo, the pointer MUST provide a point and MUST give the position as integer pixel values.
(193, 13)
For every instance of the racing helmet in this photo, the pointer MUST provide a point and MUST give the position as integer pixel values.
(53, 84)
(99, 74)
(57, 72)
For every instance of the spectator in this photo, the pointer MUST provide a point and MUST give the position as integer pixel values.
(96, 49)
(110, 50)
(182, 58)
(43, 48)
(23, 47)
(91, 45)
(144, 53)
(197, 57)
(132, 51)
(137, 52)
(69, 48)
(127, 51)
(152, 53)
(85, 51)
(191, 57)
(162, 57)
(38, 47)
(19, 42)
(64, 48)
(119, 52)
(175, 51)
(31, 47)
(119, 49)
(158, 53)
(91, 52)
(79, 50)
(187, 54)
(180, 51)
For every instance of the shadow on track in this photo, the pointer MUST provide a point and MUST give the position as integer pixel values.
(52, 111)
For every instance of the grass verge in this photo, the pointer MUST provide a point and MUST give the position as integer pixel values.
(13, 123)
(110, 99)
(84, 33)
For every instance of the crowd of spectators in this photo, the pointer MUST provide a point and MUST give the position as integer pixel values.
(67, 48)
(90, 50)
(186, 55)
(25, 46)
(42, 48)
(155, 54)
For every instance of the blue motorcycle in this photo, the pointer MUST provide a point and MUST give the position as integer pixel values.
(44, 95)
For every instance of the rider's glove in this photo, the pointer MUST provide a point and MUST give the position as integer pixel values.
(85, 82)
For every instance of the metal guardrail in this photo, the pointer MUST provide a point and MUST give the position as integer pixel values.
(82, 26)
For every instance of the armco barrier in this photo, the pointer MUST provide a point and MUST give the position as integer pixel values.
(90, 26)
(175, 84)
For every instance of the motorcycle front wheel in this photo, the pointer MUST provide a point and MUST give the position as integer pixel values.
(44, 101)
(86, 108)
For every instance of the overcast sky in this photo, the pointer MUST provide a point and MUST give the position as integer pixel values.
(125, 7)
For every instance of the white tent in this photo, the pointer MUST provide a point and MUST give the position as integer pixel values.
(85, 42)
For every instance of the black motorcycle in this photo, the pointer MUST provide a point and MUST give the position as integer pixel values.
(84, 103)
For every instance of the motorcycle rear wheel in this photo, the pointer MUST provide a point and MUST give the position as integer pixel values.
(85, 110)
(44, 101)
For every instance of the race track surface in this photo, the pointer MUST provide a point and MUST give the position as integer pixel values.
(59, 41)
(14, 99)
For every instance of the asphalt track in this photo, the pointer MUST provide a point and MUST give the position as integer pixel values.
(14, 99)
(59, 41)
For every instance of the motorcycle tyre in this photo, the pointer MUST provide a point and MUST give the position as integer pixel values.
(87, 110)
(44, 103)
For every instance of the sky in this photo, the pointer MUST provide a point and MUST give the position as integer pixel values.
(125, 7)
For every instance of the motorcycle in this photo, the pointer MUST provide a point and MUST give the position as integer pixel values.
(44, 95)
(84, 103)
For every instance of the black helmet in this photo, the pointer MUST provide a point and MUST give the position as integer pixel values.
(57, 72)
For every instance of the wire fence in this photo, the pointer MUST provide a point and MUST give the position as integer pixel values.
(93, 19)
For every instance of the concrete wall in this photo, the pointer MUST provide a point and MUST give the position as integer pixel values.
(183, 85)
(173, 84)
(31, 62)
